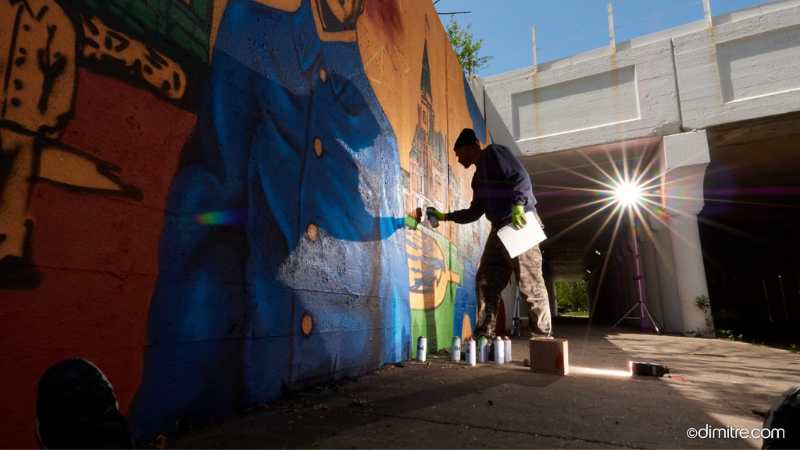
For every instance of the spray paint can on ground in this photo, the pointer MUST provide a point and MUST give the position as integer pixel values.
(647, 369)
(483, 349)
(431, 218)
(499, 352)
(422, 349)
(507, 354)
(471, 352)
(455, 356)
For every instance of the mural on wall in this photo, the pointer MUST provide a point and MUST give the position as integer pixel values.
(271, 149)
(163, 46)
(116, 49)
(87, 148)
(40, 79)
(307, 278)
(435, 267)
(181, 26)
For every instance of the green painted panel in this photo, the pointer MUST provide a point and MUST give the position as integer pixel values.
(437, 324)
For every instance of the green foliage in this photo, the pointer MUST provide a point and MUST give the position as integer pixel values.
(467, 48)
(572, 296)
(703, 302)
(730, 335)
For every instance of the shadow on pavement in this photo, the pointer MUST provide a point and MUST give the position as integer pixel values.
(447, 405)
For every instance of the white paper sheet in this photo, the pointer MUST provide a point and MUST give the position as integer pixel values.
(518, 241)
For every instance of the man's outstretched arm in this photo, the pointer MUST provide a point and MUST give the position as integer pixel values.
(471, 214)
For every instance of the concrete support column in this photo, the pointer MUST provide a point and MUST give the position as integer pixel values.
(685, 157)
(690, 274)
(668, 301)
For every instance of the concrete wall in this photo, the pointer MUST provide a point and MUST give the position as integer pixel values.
(600, 99)
(688, 77)
(745, 67)
(672, 84)
(500, 133)
(206, 198)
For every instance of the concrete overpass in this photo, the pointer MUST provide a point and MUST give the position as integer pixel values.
(709, 111)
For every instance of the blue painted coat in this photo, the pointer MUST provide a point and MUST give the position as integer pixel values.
(292, 144)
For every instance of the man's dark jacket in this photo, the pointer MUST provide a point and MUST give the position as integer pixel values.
(500, 181)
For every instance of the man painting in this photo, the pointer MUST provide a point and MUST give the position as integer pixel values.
(502, 190)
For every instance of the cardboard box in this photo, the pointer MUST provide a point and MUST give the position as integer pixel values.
(549, 355)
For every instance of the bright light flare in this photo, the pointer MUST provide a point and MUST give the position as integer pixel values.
(628, 194)
(591, 371)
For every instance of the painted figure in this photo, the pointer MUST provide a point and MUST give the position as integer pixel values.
(39, 46)
(280, 262)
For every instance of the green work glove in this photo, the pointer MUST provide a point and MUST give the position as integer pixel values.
(411, 222)
(431, 211)
(518, 216)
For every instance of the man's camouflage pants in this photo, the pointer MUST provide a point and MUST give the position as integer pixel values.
(493, 274)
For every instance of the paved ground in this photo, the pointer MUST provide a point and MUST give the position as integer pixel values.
(443, 405)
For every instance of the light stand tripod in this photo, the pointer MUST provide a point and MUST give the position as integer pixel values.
(644, 313)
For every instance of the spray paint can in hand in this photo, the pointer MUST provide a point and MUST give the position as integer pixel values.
(471, 350)
(507, 354)
(422, 349)
(483, 349)
(499, 350)
(431, 218)
(455, 356)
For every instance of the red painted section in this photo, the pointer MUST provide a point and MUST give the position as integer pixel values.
(98, 253)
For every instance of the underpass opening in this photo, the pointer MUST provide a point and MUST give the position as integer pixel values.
(572, 297)
(589, 234)
(749, 229)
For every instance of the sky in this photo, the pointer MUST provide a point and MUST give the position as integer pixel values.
(568, 27)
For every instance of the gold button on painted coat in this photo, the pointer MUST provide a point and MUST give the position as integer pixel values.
(312, 232)
(318, 147)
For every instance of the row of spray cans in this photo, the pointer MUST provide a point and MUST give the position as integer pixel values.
(497, 351)
(481, 351)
